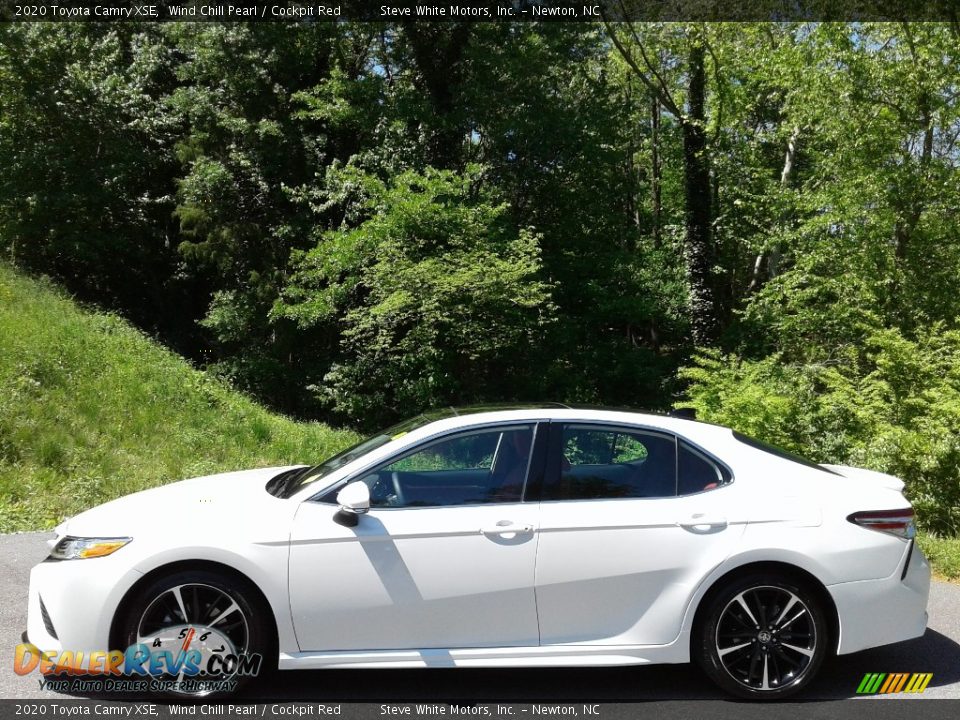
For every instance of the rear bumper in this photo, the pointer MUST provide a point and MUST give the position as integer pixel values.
(889, 610)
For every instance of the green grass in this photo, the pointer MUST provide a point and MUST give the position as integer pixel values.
(943, 554)
(91, 409)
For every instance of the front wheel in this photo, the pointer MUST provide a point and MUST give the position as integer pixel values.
(198, 633)
(762, 638)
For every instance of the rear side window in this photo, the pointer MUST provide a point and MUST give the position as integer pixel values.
(600, 463)
(596, 462)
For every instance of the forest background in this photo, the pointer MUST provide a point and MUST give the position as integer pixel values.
(352, 222)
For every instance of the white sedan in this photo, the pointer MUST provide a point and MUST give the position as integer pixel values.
(523, 536)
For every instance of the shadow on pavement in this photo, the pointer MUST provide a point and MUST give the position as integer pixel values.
(838, 679)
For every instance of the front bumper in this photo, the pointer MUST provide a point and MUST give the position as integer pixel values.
(80, 598)
(889, 610)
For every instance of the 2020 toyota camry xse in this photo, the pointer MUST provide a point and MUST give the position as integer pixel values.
(520, 536)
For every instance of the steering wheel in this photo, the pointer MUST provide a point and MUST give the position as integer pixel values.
(397, 490)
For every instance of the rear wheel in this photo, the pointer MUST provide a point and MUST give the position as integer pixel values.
(198, 627)
(762, 637)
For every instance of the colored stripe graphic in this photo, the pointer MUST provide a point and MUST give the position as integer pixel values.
(870, 683)
(897, 685)
(888, 683)
(918, 683)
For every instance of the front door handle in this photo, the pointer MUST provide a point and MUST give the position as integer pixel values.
(507, 527)
(703, 521)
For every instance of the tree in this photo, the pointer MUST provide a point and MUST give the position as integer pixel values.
(706, 310)
(436, 293)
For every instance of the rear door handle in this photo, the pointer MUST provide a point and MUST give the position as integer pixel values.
(505, 527)
(703, 521)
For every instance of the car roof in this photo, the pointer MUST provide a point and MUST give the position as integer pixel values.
(451, 417)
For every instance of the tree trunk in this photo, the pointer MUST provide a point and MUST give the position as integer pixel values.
(656, 172)
(700, 251)
(438, 50)
(766, 263)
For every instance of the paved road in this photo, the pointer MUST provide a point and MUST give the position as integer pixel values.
(938, 652)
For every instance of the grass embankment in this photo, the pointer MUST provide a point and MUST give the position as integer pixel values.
(91, 409)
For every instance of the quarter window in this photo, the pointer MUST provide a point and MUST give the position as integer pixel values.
(695, 473)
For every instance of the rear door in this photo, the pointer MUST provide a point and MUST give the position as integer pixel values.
(620, 550)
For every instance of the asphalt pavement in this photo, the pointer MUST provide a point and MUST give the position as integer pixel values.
(937, 652)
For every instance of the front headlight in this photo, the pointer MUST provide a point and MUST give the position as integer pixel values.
(77, 548)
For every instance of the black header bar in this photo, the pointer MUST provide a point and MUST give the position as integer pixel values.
(479, 10)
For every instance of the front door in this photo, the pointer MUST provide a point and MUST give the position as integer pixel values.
(444, 559)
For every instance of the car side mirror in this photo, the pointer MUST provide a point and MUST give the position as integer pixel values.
(354, 500)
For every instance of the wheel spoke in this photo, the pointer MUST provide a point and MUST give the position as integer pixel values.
(179, 597)
(761, 609)
(233, 607)
(765, 684)
(794, 618)
(786, 608)
(727, 651)
(783, 656)
(743, 604)
(753, 665)
(801, 650)
(196, 602)
(777, 676)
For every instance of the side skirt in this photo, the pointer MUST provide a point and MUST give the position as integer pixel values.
(551, 656)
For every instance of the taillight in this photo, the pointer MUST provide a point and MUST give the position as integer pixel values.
(895, 522)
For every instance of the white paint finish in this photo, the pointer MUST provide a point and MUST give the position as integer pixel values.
(615, 572)
(530, 656)
(614, 581)
(414, 578)
(880, 612)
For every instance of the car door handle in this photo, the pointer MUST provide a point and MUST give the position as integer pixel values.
(703, 520)
(506, 526)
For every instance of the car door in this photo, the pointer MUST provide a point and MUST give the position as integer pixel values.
(444, 558)
(620, 550)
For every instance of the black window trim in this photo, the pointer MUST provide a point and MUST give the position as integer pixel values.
(555, 451)
(537, 454)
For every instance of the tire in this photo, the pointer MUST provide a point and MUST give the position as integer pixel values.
(762, 637)
(225, 616)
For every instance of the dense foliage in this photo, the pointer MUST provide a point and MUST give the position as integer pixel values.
(357, 221)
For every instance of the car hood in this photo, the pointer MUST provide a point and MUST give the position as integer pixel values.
(234, 495)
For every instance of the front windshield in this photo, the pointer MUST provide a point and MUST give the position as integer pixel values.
(299, 479)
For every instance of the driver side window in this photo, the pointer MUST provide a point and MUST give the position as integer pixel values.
(477, 467)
